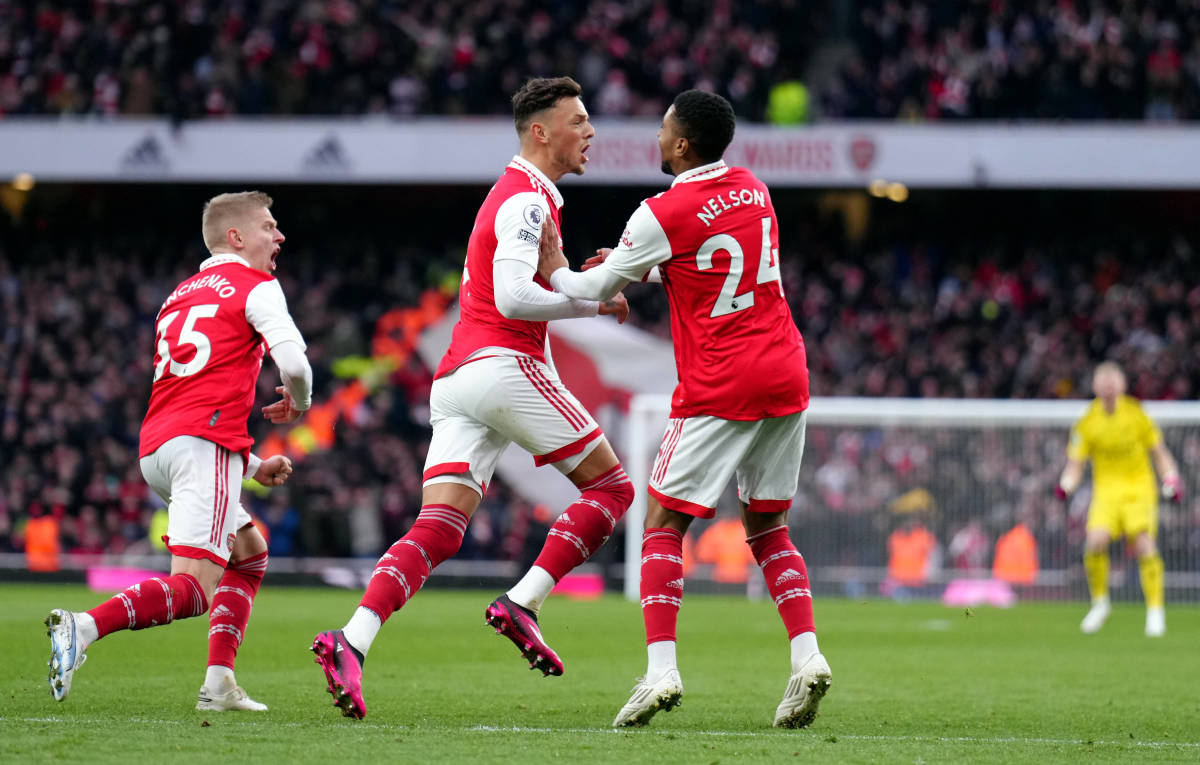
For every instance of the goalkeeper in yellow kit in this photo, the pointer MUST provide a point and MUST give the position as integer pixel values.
(1119, 439)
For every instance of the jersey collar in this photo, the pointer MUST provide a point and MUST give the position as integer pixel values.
(702, 173)
(222, 258)
(539, 179)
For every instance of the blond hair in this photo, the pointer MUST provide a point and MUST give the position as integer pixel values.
(226, 211)
(1109, 368)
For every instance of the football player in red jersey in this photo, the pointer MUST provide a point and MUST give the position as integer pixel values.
(712, 240)
(497, 385)
(195, 448)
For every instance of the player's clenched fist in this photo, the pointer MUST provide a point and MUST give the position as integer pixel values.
(274, 471)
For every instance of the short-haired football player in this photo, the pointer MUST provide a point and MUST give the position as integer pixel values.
(195, 448)
(496, 385)
(712, 239)
(1119, 439)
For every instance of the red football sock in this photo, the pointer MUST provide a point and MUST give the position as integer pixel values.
(231, 605)
(587, 523)
(151, 603)
(662, 582)
(787, 578)
(435, 536)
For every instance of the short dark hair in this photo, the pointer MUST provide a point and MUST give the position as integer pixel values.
(540, 93)
(707, 122)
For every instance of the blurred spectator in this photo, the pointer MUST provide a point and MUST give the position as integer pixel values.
(723, 545)
(912, 555)
(969, 546)
(1016, 556)
(787, 103)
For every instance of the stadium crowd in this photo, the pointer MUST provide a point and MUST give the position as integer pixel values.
(935, 313)
(1008, 59)
(909, 59)
(333, 57)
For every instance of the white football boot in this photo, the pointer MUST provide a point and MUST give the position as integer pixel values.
(805, 689)
(67, 653)
(1156, 622)
(229, 699)
(1097, 615)
(648, 698)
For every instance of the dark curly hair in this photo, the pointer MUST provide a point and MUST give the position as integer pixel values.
(707, 122)
(540, 93)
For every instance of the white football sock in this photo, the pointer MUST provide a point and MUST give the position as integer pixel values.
(660, 657)
(533, 589)
(362, 628)
(219, 679)
(804, 645)
(86, 629)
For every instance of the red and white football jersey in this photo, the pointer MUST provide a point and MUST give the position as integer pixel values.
(715, 239)
(508, 225)
(209, 350)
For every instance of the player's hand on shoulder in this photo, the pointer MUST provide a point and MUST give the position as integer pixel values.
(600, 256)
(1172, 489)
(282, 411)
(617, 306)
(274, 471)
(550, 254)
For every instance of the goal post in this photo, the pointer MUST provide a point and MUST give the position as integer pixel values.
(981, 465)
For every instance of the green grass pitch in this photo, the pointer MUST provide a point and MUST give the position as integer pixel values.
(913, 682)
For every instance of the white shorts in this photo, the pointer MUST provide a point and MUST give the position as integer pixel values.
(484, 405)
(201, 482)
(699, 455)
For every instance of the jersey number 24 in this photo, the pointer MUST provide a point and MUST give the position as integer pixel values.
(727, 301)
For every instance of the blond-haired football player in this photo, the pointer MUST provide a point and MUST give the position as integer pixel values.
(211, 334)
(1119, 439)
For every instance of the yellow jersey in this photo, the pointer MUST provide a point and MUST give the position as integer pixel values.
(1118, 444)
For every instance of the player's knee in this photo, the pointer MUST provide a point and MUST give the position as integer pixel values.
(435, 540)
(616, 496)
(623, 494)
(253, 567)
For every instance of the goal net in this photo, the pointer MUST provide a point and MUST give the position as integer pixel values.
(968, 471)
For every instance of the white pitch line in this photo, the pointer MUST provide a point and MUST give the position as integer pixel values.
(846, 736)
(817, 735)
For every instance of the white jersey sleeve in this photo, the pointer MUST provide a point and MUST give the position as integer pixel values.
(519, 297)
(267, 312)
(642, 247)
(519, 226)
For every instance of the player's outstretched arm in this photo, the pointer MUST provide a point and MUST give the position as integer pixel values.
(1168, 472)
(274, 471)
(653, 275)
(1068, 482)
